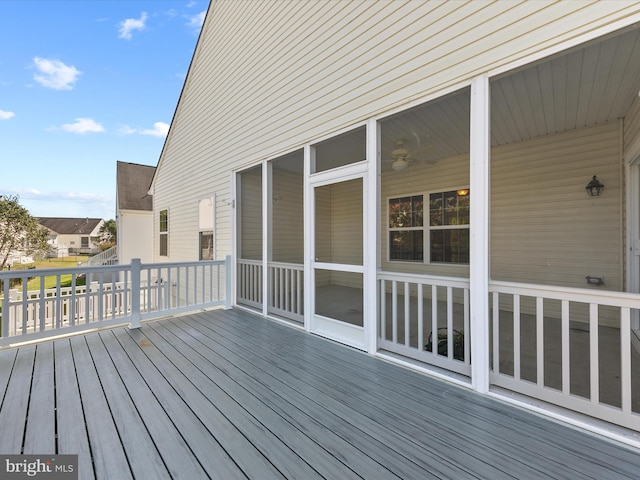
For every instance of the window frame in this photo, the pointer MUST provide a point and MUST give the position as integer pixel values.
(163, 234)
(426, 226)
(206, 229)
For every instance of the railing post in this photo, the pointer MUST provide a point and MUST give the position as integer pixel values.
(227, 282)
(135, 293)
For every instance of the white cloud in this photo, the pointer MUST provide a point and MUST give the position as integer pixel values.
(6, 115)
(126, 130)
(130, 24)
(160, 129)
(69, 204)
(55, 74)
(195, 21)
(83, 125)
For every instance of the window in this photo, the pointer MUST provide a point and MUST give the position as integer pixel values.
(406, 232)
(206, 245)
(84, 242)
(206, 214)
(164, 233)
(447, 232)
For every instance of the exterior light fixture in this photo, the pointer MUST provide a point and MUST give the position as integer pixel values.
(594, 187)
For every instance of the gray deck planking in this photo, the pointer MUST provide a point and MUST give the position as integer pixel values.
(215, 461)
(107, 450)
(180, 461)
(350, 401)
(275, 413)
(392, 450)
(226, 394)
(481, 444)
(40, 431)
(71, 429)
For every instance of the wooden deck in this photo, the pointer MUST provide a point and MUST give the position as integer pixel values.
(225, 394)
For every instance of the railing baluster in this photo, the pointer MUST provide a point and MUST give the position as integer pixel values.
(496, 332)
(58, 322)
(625, 359)
(566, 356)
(42, 313)
(450, 323)
(467, 329)
(394, 311)
(516, 337)
(434, 319)
(383, 310)
(407, 314)
(540, 341)
(594, 368)
(25, 316)
(420, 318)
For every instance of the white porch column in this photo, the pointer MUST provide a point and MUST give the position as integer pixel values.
(307, 194)
(372, 236)
(267, 217)
(479, 231)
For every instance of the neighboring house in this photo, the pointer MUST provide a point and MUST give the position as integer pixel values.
(77, 235)
(134, 212)
(410, 179)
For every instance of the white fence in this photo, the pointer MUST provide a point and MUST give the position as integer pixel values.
(426, 318)
(571, 347)
(285, 295)
(116, 294)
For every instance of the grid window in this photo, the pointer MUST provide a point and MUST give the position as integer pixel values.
(447, 230)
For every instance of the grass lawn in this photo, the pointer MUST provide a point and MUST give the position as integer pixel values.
(50, 282)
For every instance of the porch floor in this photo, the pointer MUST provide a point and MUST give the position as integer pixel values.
(227, 394)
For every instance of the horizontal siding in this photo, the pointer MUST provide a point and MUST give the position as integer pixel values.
(288, 217)
(544, 227)
(268, 77)
(250, 211)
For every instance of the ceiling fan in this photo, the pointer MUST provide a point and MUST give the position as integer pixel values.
(402, 157)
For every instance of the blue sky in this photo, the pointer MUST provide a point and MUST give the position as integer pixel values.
(83, 84)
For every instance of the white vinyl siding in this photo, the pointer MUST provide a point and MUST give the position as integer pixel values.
(250, 212)
(545, 229)
(287, 220)
(316, 67)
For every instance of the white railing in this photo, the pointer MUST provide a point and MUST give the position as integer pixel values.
(119, 294)
(249, 289)
(413, 307)
(106, 257)
(567, 346)
(286, 290)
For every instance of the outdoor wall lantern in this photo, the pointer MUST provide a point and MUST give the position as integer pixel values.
(594, 187)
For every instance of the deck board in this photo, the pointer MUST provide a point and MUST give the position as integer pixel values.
(107, 450)
(384, 393)
(180, 461)
(213, 458)
(14, 406)
(40, 431)
(226, 394)
(72, 432)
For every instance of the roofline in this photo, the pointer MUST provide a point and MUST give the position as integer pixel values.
(182, 91)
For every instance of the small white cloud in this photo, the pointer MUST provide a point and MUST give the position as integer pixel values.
(83, 125)
(195, 21)
(6, 115)
(160, 129)
(126, 130)
(55, 74)
(130, 24)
